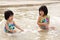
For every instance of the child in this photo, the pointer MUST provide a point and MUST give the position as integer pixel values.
(10, 24)
(43, 19)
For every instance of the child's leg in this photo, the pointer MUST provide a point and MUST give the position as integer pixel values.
(43, 28)
(53, 28)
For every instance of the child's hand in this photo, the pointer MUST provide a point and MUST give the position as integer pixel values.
(10, 31)
(45, 24)
(14, 31)
(22, 30)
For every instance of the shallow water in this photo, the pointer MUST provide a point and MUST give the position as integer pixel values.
(26, 18)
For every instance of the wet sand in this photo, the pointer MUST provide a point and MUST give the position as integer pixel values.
(26, 18)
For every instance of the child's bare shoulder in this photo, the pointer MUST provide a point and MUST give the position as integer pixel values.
(14, 22)
(6, 22)
(39, 18)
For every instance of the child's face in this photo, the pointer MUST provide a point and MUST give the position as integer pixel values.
(10, 18)
(41, 13)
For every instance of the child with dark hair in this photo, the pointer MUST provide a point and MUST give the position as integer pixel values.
(10, 24)
(43, 19)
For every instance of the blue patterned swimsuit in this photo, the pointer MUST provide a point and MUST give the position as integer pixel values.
(11, 27)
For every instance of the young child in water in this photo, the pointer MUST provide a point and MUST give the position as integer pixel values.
(10, 24)
(43, 19)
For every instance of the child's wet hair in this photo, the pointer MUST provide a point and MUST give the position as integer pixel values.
(7, 14)
(44, 9)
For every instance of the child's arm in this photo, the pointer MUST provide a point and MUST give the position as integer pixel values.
(17, 27)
